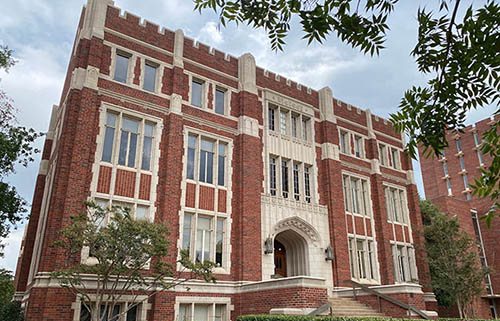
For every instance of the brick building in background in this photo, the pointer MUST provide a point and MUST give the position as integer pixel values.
(289, 190)
(447, 182)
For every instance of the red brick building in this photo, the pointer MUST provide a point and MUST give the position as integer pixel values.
(289, 190)
(447, 182)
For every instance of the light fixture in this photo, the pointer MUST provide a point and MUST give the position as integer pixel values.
(268, 245)
(329, 253)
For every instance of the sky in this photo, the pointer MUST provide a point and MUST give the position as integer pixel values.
(41, 33)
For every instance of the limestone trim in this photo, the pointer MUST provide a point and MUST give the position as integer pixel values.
(179, 48)
(330, 151)
(326, 105)
(84, 78)
(247, 73)
(135, 101)
(350, 145)
(95, 17)
(288, 102)
(384, 289)
(248, 126)
(300, 226)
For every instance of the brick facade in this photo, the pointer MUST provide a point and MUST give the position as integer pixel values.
(457, 199)
(331, 187)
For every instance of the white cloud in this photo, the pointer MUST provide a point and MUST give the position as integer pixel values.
(211, 34)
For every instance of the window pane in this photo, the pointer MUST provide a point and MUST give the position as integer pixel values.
(307, 184)
(296, 189)
(142, 212)
(132, 314)
(111, 120)
(123, 148)
(203, 164)
(219, 101)
(186, 233)
(305, 129)
(149, 78)
(201, 312)
(132, 150)
(196, 89)
(284, 178)
(219, 241)
(220, 312)
(459, 145)
(121, 68)
(84, 313)
(107, 150)
(185, 312)
(271, 118)
(146, 153)
(294, 126)
(283, 128)
(272, 175)
(210, 168)
(222, 165)
(190, 158)
(130, 125)
(203, 239)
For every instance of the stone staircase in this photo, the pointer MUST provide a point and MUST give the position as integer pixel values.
(352, 308)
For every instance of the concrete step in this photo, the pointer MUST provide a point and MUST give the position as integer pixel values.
(351, 307)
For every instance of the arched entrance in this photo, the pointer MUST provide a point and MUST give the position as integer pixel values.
(290, 254)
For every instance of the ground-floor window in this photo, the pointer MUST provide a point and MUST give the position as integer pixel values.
(117, 313)
(363, 258)
(405, 269)
(203, 312)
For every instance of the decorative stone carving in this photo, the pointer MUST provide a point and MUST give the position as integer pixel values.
(246, 73)
(297, 224)
(179, 48)
(326, 104)
(376, 166)
(330, 151)
(92, 77)
(249, 126)
(289, 103)
(176, 104)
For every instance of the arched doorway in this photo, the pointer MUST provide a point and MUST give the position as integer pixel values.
(290, 254)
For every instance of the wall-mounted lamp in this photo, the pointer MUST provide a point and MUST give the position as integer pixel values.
(329, 253)
(269, 246)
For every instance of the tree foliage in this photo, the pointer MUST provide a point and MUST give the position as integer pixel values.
(126, 257)
(9, 310)
(456, 275)
(457, 48)
(16, 147)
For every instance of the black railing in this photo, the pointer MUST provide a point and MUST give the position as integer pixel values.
(387, 298)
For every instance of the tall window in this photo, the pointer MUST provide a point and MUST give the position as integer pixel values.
(294, 124)
(396, 205)
(305, 128)
(201, 157)
(272, 175)
(344, 142)
(284, 178)
(121, 67)
(459, 145)
(382, 154)
(480, 157)
(150, 77)
(358, 146)
(362, 256)
(296, 188)
(203, 237)
(404, 263)
(131, 132)
(462, 163)
(445, 168)
(448, 186)
(220, 101)
(196, 92)
(466, 181)
(272, 118)
(307, 183)
(477, 142)
(356, 195)
(283, 122)
(395, 158)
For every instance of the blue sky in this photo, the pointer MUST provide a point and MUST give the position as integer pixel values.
(41, 33)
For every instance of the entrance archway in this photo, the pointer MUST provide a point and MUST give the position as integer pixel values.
(290, 254)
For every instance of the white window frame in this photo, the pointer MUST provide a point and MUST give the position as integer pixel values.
(409, 265)
(192, 300)
(364, 202)
(401, 203)
(370, 263)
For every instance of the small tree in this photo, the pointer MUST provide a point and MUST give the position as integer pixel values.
(456, 275)
(127, 258)
(9, 310)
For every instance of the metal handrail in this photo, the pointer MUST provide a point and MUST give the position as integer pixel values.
(387, 298)
(321, 309)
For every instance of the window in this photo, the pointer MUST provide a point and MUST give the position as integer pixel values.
(459, 145)
(203, 237)
(477, 142)
(307, 184)
(272, 175)
(295, 122)
(305, 128)
(362, 258)
(201, 156)
(344, 142)
(272, 120)
(396, 205)
(128, 142)
(296, 189)
(220, 96)
(382, 154)
(395, 158)
(131, 314)
(466, 182)
(358, 146)
(448, 186)
(131, 132)
(284, 178)
(462, 163)
(480, 157)
(137, 211)
(356, 195)
(196, 92)
(121, 67)
(283, 124)
(404, 263)
(202, 312)
(150, 77)
(445, 168)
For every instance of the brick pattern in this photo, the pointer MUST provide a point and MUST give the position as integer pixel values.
(104, 181)
(125, 183)
(207, 195)
(222, 200)
(145, 187)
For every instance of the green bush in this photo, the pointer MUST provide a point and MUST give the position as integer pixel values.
(267, 317)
